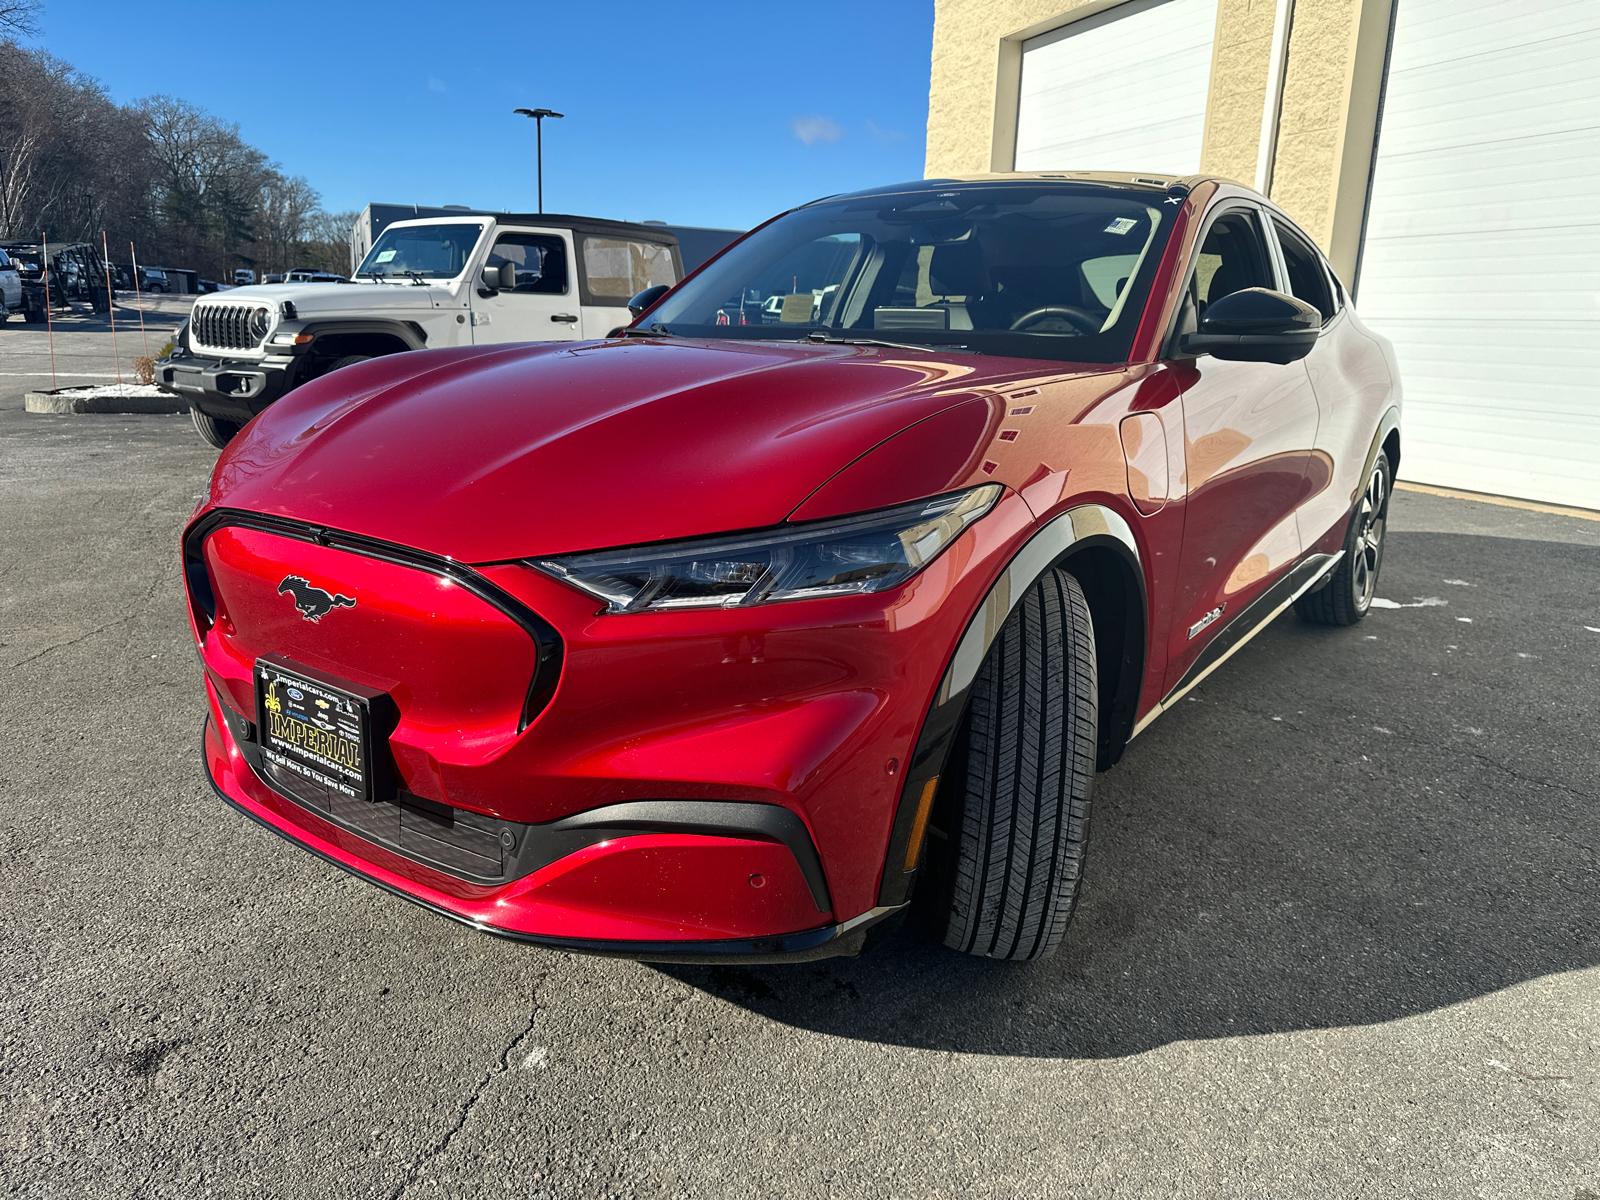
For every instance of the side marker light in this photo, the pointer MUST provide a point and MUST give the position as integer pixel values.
(919, 825)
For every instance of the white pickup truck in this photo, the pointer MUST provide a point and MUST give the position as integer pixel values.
(439, 281)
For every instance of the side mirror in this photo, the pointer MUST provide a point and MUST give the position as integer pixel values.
(502, 278)
(1255, 325)
(647, 297)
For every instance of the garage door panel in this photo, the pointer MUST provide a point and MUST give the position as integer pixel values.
(1523, 275)
(1445, 191)
(1482, 255)
(1483, 100)
(1438, 31)
(1124, 89)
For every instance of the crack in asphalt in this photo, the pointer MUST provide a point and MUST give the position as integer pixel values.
(72, 641)
(415, 1168)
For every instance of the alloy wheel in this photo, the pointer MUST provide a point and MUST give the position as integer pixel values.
(1368, 547)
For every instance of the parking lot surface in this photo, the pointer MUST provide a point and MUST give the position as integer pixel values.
(1339, 937)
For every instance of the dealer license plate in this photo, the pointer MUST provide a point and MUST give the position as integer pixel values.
(313, 731)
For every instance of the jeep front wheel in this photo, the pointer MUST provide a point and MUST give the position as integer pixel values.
(213, 429)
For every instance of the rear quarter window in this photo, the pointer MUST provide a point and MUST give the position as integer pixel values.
(617, 269)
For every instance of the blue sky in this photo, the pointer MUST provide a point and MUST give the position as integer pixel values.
(711, 114)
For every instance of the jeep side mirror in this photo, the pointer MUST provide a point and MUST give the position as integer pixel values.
(1255, 325)
(502, 278)
(647, 297)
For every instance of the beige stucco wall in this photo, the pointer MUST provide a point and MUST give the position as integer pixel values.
(1325, 132)
(1330, 90)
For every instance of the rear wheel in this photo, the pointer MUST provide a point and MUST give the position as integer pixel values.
(1015, 802)
(1347, 596)
(213, 429)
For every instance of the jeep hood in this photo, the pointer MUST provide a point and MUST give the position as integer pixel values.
(491, 453)
(318, 299)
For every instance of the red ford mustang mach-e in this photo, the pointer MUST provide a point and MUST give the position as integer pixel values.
(841, 570)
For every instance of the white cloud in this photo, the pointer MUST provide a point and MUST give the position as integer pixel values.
(812, 130)
(436, 85)
(884, 136)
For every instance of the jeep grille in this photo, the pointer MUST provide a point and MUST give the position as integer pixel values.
(229, 326)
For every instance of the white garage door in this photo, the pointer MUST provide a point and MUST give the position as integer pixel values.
(1123, 90)
(1482, 257)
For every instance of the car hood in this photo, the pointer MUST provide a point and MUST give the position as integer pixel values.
(494, 453)
(312, 299)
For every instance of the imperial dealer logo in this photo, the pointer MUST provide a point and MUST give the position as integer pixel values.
(313, 602)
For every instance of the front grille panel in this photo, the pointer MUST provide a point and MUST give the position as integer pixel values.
(461, 843)
(229, 326)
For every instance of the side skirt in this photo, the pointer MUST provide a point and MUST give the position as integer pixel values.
(1234, 636)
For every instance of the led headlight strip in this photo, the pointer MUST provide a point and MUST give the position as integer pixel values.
(871, 552)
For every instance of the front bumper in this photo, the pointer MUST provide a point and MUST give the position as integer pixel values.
(509, 912)
(232, 389)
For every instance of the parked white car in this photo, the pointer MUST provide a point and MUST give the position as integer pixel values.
(10, 286)
(442, 281)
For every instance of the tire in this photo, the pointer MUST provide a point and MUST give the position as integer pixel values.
(213, 429)
(1347, 596)
(1019, 781)
(349, 360)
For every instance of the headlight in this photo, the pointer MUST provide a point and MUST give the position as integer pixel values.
(868, 553)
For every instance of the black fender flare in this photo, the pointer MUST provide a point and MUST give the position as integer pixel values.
(408, 332)
(1080, 528)
(1390, 423)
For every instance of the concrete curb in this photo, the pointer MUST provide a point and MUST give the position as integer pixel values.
(52, 402)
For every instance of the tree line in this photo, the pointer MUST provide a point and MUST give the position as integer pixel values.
(160, 172)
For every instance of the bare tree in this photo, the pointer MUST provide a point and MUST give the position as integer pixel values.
(286, 208)
(161, 172)
(19, 18)
(327, 244)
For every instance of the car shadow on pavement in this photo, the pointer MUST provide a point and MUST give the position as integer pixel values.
(1344, 826)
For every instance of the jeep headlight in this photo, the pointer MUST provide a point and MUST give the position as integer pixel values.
(872, 552)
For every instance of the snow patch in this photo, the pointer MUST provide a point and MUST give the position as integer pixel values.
(97, 391)
(1418, 602)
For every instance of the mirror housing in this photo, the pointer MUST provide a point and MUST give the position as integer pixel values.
(500, 279)
(1255, 325)
(647, 297)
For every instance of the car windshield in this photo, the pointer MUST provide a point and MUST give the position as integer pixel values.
(440, 251)
(1026, 270)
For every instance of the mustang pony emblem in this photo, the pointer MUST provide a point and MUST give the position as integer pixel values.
(313, 602)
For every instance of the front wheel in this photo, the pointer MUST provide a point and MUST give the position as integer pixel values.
(1014, 808)
(214, 430)
(1346, 597)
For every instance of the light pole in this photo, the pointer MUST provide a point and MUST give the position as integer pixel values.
(539, 114)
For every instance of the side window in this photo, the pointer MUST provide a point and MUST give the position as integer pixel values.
(540, 261)
(1233, 257)
(1306, 278)
(618, 270)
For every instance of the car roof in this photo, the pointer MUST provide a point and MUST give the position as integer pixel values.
(597, 225)
(1152, 181)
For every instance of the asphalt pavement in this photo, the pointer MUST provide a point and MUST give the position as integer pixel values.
(1339, 937)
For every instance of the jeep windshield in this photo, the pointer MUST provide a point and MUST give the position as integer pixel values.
(438, 251)
(1023, 270)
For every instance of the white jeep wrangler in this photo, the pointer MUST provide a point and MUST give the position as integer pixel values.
(442, 281)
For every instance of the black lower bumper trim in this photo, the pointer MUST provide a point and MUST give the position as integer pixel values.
(827, 941)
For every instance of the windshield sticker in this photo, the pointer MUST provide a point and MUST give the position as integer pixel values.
(1121, 225)
(385, 255)
(797, 308)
